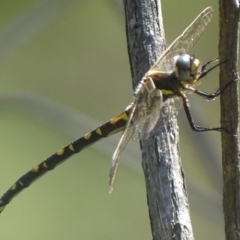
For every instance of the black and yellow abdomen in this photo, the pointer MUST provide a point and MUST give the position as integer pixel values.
(109, 128)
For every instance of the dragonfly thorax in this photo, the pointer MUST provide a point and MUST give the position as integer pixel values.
(186, 68)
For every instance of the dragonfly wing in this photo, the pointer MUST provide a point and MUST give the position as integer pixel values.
(148, 108)
(185, 41)
(138, 114)
(155, 105)
(126, 135)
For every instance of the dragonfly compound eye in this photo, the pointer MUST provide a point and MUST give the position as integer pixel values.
(183, 67)
(187, 68)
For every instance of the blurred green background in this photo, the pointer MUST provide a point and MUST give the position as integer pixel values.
(64, 70)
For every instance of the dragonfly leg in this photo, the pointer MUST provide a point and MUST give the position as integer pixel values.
(204, 71)
(210, 96)
(193, 125)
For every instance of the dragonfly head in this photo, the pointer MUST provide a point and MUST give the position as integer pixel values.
(186, 68)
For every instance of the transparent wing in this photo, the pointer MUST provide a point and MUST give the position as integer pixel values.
(126, 135)
(145, 112)
(148, 110)
(185, 41)
(154, 111)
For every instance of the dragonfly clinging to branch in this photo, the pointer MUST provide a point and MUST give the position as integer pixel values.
(173, 74)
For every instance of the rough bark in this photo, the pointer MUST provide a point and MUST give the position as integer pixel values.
(228, 50)
(165, 185)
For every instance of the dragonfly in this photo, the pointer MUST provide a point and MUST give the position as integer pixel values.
(173, 74)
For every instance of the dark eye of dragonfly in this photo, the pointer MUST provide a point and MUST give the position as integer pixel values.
(186, 68)
(182, 66)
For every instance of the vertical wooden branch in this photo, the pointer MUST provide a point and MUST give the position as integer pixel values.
(165, 186)
(228, 50)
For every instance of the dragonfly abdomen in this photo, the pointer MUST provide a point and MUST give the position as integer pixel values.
(111, 127)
